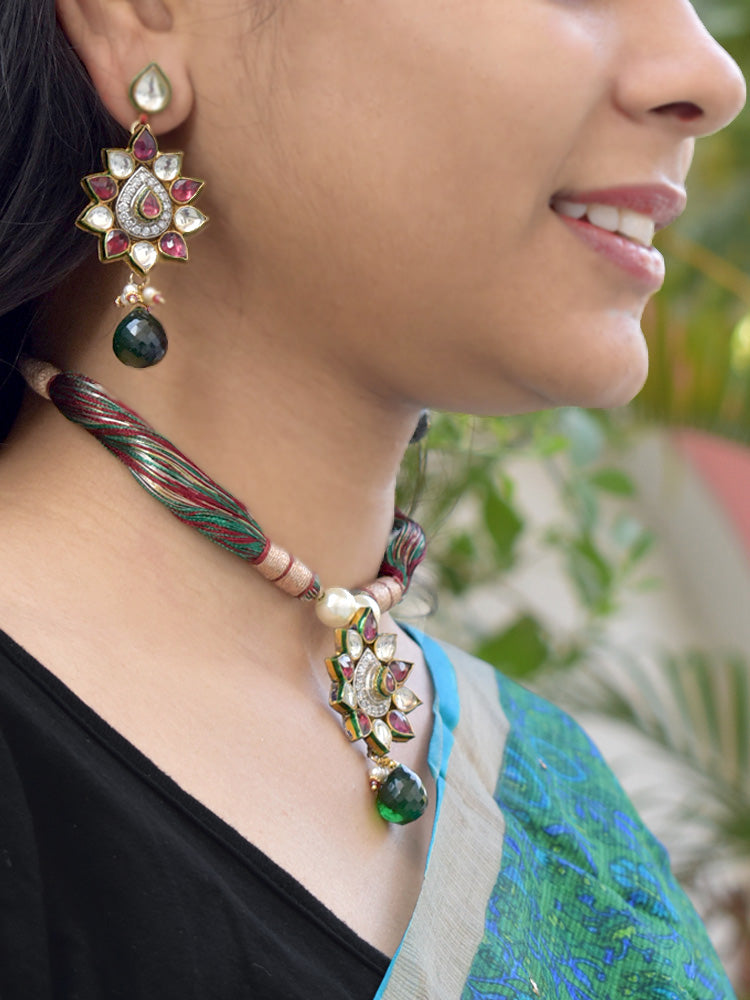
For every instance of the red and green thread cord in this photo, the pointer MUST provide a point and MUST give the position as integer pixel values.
(192, 496)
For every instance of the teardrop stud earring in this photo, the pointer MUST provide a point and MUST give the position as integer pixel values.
(140, 208)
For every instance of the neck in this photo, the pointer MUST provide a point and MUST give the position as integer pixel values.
(312, 451)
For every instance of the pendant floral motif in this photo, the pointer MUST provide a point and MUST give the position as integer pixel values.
(369, 688)
(141, 206)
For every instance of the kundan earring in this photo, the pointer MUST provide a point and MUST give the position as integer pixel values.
(141, 210)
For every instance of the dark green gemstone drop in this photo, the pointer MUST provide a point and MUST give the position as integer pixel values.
(402, 797)
(140, 340)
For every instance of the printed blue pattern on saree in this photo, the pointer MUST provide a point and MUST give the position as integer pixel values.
(585, 906)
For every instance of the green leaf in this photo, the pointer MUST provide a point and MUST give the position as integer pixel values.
(455, 567)
(586, 506)
(591, 573)
(520, 650)
(641, 547)
(628, 533)
(613, 481)
(505, 525)
(549, 444)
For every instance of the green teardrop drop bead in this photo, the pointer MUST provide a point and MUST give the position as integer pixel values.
(402, 797)
(140, 340)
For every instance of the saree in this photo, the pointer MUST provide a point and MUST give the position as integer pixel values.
(541, 880)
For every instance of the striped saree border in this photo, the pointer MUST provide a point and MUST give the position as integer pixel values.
(447, 927)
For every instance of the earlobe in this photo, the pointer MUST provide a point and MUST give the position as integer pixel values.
(116, 40)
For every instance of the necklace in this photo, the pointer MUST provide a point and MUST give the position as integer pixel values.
(368, 681)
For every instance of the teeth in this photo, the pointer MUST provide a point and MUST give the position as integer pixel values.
(604, 217)
(637, 227)
(570, 208)
(632, 225)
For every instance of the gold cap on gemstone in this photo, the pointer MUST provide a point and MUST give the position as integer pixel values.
(151, 91)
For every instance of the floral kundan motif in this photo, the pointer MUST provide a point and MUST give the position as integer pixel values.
(369, 686)
(141, 206)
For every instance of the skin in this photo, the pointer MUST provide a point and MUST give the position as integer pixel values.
(379, 179)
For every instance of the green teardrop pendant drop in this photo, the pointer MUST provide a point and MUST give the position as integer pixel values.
(402, 797)
(140, 340)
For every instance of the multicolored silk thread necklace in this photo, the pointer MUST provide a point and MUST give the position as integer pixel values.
(368, 682)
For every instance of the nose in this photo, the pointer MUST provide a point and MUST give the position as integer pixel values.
(675, 72)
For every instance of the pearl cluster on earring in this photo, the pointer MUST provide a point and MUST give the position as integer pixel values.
(135, 294)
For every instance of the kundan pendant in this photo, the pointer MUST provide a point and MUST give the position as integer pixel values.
(141, 210)
(369, 691)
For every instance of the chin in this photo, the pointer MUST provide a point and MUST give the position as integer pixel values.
(609, 364)
(615, 381)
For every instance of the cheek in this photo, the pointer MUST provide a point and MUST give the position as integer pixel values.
(445, 121)
(419, 153)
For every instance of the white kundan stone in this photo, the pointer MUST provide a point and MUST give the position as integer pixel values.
(385, 647)
(382, 733)
(120, 164)
(349, 696)
(151, 91)
(144, 255)
(405, 700)
(354, 643)
(167, 166)
(187, 219)
(99, 217)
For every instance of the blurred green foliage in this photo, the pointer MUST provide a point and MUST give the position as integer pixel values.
(594, 538)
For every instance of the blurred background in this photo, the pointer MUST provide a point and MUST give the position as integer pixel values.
(604, 558)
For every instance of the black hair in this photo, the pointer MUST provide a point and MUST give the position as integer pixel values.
(52, 128)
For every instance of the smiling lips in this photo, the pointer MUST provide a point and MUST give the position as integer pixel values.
(620, 223)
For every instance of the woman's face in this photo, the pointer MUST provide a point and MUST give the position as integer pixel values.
(391, 173)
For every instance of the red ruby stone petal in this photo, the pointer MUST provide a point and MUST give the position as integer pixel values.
(185, 189)
(173, 245)
(150, 207)
(388, 683)
(115, 243)
(103, 187)
(400, 725)
(369, 628)
(364, 724)
(400, 670)
(144, 147)
(346, 666)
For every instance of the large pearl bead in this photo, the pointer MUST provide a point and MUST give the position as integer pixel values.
(335, 607)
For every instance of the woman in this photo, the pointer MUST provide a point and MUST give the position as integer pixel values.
(412, 204)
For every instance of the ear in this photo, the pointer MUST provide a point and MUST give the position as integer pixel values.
(116, 39)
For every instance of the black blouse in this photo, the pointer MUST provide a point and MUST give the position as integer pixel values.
(114, 882)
